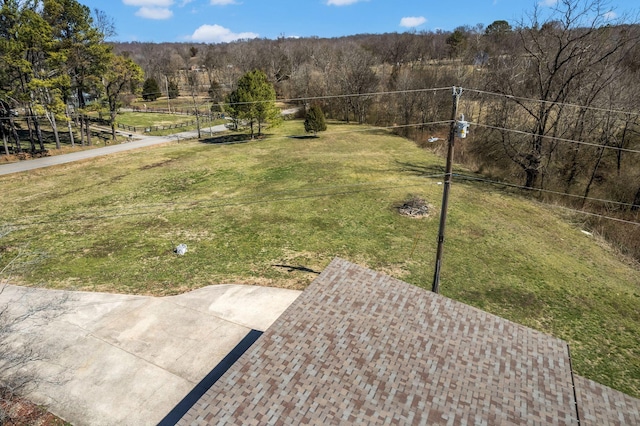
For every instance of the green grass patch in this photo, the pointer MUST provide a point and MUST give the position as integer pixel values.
(111, 224)
(150, 119)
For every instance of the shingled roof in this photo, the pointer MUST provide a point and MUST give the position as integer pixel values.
(361, 347)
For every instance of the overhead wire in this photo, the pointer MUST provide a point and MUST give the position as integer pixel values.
(616, 219)
(252, 196)
(55, 218)
(505, 95)
(473, 178)
(408, 91)
(547, 191)
(379, 93)
(298, 99)
(522, 132)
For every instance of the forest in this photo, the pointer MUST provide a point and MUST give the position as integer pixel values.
(552, 101)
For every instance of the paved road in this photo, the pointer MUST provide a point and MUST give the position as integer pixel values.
(140, 141)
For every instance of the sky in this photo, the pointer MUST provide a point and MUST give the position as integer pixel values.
(215, 21)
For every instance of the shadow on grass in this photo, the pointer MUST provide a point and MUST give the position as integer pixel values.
(304, 137)
(465, 178)
(297, 268)
(378, 132)
(226, 139)
(420, 169)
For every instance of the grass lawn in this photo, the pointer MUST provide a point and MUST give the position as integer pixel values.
(181, 103)
(149, 119)
(111, 224)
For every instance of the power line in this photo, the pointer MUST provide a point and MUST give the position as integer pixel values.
(597, 215)
(521, 132)
(473, 178)
(219, 205)
(300, 99)
(250, 196)
(504, 95)
(409, 91)
(393, 92)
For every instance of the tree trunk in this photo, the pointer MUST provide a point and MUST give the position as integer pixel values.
(39, 133)
(73, 144)
(113, 127)
(81, 125)
(531, 178)
(195, 108)
(54, 127)
(621, 145)
(6, 146)
(36, 126)
(15, 135)
(80, 95)
(88, 129)
(593, 174)
(29, 126)
(636, 201)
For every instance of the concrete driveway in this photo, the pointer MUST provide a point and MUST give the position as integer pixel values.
(128, 360)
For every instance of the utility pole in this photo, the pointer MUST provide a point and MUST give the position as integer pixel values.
(457, 92)
(210, 119)
(166, 82)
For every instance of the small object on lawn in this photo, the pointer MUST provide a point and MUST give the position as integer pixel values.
(433, 139)
(181, 249)
(586, 232)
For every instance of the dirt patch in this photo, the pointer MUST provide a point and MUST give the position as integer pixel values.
(154, 165)
(415, 207)
(22, 412)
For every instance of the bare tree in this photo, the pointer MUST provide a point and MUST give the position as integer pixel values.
(20, 348)
(356, 77)
(570, 58)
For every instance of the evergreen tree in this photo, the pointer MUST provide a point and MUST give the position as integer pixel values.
(457, 42)
(314, 121)
(174, 91)
(150, 89)
(254, 100)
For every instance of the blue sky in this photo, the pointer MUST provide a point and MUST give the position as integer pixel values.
(226, 20)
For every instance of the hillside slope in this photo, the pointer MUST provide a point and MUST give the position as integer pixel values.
(270, 212)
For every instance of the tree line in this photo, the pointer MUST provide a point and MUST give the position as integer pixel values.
(53, 61)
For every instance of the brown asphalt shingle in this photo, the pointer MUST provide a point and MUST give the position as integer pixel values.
(603, 406)
(361, 347)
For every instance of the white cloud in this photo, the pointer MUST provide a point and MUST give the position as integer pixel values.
(154, 13)
(152, 9)
(341, 2)
(149, 3)
(412, 21)
(222, 2)
(610, 16)
(218, 34)
(548, 3)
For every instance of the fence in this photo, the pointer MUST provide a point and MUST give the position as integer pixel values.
(146, 129)
(157, 128)
(173, 111)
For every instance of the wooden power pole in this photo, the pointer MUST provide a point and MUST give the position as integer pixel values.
(457, 91)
